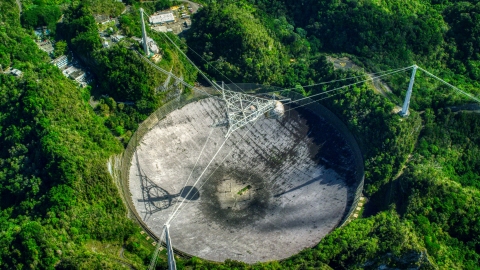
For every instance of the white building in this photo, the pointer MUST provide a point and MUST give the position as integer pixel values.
(46, 46)
(77, 75)
(162, 18)
(61, 61)
(16, 72)
(117, 38)
(152, 45)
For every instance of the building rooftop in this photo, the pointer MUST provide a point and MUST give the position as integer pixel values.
(16, 72)
(117, 38)
(77, 74)
(46, 46)
(71, 70)
(152, 45)
(162, 18)
(61, 60)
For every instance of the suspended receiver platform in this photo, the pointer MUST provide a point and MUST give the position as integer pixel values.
(244, 108)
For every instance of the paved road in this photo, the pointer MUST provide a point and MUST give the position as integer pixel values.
(193, 5)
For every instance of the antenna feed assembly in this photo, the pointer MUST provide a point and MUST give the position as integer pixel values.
(277, 112)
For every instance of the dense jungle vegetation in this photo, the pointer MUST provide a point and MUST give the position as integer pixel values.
(60, 208)
(433, 203)
(58, 204)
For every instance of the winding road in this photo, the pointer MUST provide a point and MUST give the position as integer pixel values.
(193, 5)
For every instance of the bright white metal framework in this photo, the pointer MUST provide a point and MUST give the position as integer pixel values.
(243, 108)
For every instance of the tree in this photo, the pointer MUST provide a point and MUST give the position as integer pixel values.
(80, 31)
(60, 48)
(236, 45)
(41, 16)
(163, 4)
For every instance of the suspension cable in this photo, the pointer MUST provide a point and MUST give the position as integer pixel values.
(451, 86)
(293, 108)
(195, 166)
(345, 86)
(221, 73)
(206, 78)
(171, 74)
(198, 179)
(339, 80)
(215, 86)
(220, 164)
(203, 74)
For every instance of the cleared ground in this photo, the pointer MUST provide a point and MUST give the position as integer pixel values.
(275, 188)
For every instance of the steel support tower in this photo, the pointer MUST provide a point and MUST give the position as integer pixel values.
(144, 35)
(406, 103)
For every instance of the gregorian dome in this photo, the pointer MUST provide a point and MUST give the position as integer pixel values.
(277, 112)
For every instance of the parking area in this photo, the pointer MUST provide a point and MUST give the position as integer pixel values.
(176, 19)
(174, 27)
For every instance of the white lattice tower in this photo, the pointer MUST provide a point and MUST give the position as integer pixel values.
(144, 34)
(243, 108)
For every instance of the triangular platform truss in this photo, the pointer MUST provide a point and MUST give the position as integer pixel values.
(244, 108)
